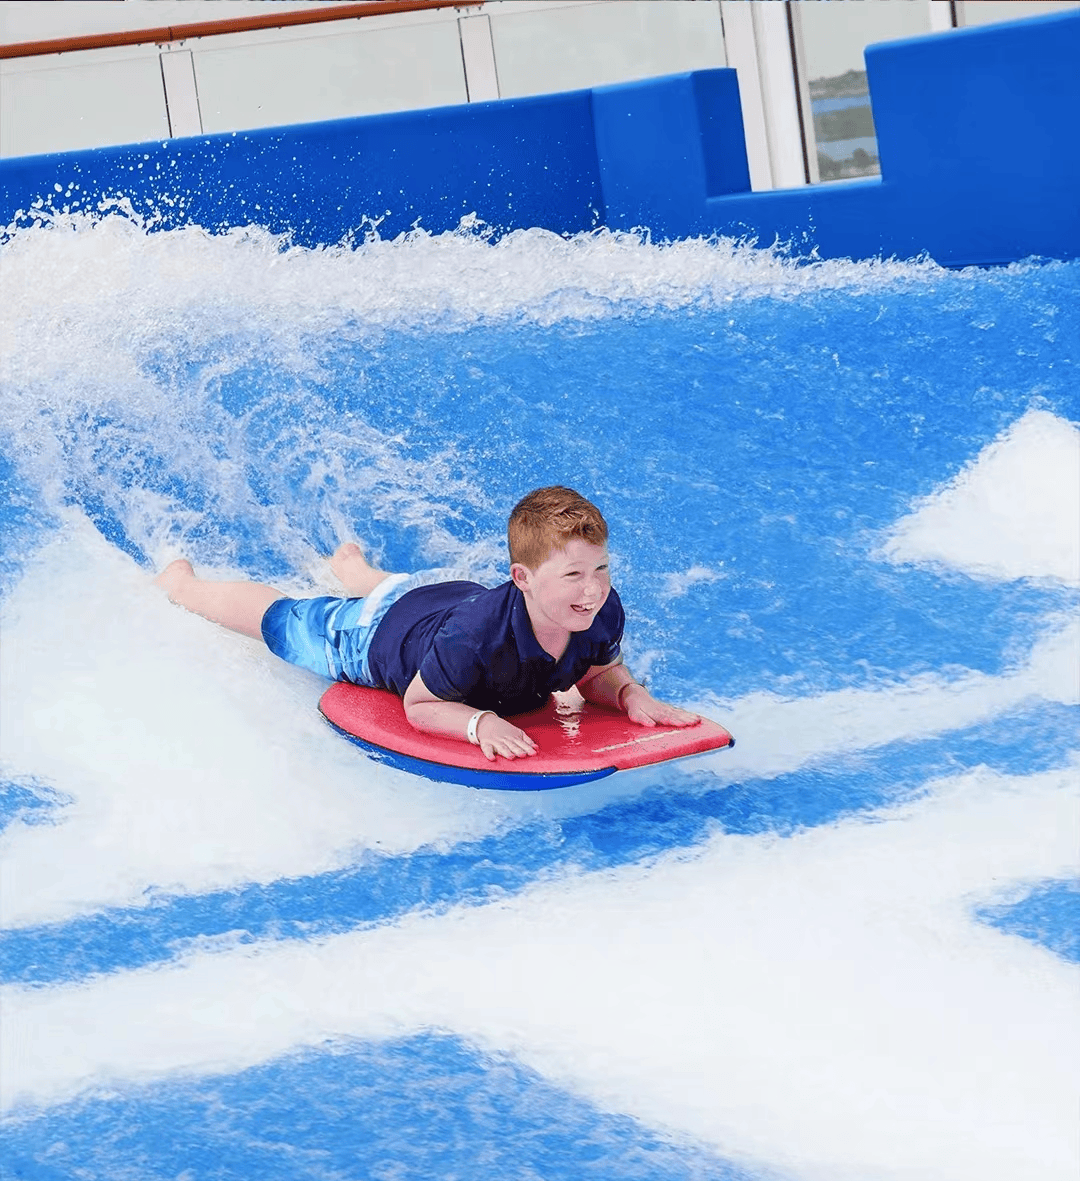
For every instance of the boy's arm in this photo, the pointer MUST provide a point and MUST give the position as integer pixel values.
(433, 715)
(612, 685)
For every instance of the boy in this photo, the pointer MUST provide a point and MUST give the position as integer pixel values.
(461, 656)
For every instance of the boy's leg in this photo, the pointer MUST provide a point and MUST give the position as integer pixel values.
(239, 606)
(354, 573)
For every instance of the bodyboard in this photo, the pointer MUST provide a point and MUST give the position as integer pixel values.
(577, 741)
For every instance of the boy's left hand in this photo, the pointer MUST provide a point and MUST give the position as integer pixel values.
(645, 710)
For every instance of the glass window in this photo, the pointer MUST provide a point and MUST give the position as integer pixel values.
(834, 34)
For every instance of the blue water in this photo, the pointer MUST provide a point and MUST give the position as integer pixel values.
(751, 436)
(382, 887)
(417, 1108)
(820, 105)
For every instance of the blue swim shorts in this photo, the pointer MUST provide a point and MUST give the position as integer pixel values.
(331, 637)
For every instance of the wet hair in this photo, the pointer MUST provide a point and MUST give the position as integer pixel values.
(547, 519)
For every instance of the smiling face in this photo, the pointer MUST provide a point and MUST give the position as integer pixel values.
(565, 592)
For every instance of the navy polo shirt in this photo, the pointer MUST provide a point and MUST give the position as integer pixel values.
(477, 645)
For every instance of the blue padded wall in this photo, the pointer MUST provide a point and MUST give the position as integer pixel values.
(978, 140)
(977, 134)
(665, 147)
(529, 162)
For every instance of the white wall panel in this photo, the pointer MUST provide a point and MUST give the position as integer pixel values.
(941, 16)
(541, 49)
(181, 95)
(330, 76)
(741, 48)
(478, 56)
(779, 94)
(988, 12)
(64, 102)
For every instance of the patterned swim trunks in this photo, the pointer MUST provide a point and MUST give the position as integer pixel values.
(331, 636)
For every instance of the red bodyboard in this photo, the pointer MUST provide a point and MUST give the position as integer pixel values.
(577, 741)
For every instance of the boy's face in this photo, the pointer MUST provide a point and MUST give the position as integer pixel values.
(568, 588)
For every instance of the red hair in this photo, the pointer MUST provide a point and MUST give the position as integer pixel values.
(547, 519)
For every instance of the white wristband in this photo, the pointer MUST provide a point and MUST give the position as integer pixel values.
(474, 721)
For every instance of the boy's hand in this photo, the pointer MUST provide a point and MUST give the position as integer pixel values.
(499, 737)
(641, 707)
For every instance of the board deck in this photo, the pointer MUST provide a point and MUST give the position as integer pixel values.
(577, 741)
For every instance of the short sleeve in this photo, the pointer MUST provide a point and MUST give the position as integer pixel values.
(608, 654)
(612, 620)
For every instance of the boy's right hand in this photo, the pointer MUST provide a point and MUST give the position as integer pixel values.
(497, 736)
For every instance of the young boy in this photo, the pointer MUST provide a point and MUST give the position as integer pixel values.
(462, 656)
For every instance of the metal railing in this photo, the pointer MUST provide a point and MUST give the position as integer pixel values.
(165, 34)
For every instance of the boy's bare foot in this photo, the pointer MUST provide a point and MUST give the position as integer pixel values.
(173, 575)
(352, 570)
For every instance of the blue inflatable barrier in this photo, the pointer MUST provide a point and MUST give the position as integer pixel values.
(976, 134)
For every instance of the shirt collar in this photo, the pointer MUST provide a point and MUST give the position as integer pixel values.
(529, 647)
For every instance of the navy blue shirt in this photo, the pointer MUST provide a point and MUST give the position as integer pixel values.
(477, 645)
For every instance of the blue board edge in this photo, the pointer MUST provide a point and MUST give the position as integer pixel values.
(469, 777)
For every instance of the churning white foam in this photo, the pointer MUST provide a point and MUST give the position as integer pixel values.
(678, 583)
(194, 758)
(822, 1004)
(778, 735)
(110, 265)
(114, 338)
(1014, 512)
